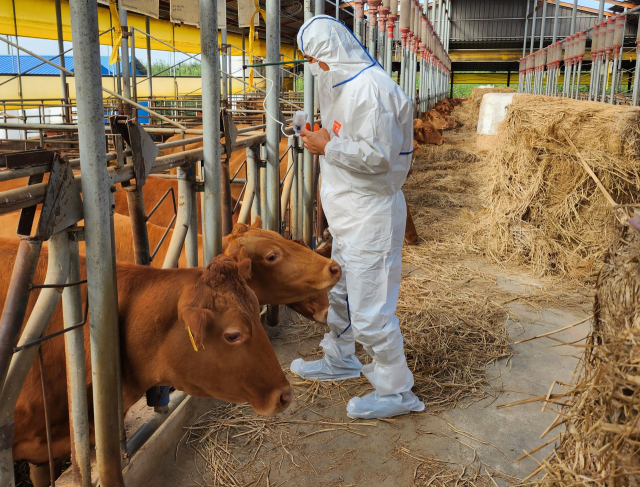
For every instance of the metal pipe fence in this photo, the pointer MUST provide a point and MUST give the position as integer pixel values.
(600, 77)
(97, 158)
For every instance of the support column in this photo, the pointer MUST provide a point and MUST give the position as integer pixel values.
(574, 13)
(63, 75)
(533, 26)
(211, 202)
(103, 304)
(124, 55)
(391, 22)
(149, 73)
(526, 24)
(373, 15)
(544, 23)
(382, 23)
(271, 215)
(556, 11)
(634, 98)
(359, 19)
(601, 10)
(223, 61)
(307, 166)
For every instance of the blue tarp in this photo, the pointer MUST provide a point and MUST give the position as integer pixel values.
(9, 65)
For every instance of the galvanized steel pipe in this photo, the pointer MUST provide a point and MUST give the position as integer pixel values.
(76, 372)
(182, 221)
(250, 190)
(544, 22)
(272, 212)
(100, 273)
(21, 362)
(526, 24)
(210, 62)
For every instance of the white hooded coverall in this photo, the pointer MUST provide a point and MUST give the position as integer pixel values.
(370, 122)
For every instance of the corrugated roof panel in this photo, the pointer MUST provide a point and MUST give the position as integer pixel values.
(30, 65)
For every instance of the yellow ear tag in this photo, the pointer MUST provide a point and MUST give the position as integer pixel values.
(193, 342)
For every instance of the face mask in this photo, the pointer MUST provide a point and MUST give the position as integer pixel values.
(315, 69)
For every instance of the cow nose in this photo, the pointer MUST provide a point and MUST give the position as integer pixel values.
(321, 316)
(286, 398)
(335, 269)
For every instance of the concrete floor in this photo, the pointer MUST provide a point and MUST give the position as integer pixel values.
(479, 436)
(497, 436)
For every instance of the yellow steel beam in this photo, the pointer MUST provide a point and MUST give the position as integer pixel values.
(37, 18)
(512, 55)
(501, 79)
(478, 55)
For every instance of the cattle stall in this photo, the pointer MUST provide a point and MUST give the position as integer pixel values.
(79, 179)
(67, 158)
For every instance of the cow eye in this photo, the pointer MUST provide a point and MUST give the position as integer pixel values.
(272, 256)
(232, 337)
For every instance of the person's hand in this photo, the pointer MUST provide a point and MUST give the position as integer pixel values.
(315, 141)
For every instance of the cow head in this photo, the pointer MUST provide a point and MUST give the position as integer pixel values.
(230, 355)
(443, 107)
(451, 122)
(435, 118)
(417, 131)
(316, 306)
(430, 135)
(282, 271)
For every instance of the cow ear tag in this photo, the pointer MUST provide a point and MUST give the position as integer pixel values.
(193, 342)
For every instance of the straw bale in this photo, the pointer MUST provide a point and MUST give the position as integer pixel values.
(601, 442)
(542, 208)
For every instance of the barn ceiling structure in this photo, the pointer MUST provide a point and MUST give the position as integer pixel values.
(487, 36)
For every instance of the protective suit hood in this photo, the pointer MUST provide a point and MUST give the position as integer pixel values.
(330, 41)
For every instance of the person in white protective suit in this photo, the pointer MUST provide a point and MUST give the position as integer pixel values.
(365, 157)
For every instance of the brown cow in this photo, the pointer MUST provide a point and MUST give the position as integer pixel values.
(451, 122)
(157, 307)
(272, 256)
(153, 190)
(410, 232)
(426, 133)
(316, 306)
(444, 107)
(300, 277)
(435, 118)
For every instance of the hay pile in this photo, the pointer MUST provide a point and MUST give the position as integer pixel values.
(469, 112)
(542, 208)
(601, 445)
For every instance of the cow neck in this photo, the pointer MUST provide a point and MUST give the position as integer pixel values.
(149, 311)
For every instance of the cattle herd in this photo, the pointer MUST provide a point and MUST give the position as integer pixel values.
(196, 329)
(428, 128)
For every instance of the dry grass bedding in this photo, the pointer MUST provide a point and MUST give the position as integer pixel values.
(453, 320)
(600, 410)
(542, 208)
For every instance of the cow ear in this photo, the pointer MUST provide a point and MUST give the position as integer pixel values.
(244, 268)
(196, 322)
(235, 251)
(325, 251)
(226, 240)
(239, 229)
(257, 223)
(300, 241)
